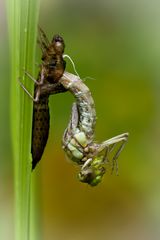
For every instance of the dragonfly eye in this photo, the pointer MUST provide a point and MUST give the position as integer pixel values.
(86, 176)
(91, 175)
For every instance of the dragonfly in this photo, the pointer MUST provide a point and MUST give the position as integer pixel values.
(78, 139)
(47, 83)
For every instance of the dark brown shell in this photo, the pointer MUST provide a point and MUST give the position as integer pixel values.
(40, 129)
(52, 69)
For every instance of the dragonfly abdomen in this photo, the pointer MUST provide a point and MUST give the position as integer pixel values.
(85, 103)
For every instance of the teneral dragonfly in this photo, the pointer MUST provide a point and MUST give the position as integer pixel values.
(78, 139)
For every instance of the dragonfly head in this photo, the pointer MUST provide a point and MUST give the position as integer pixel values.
(92, 171)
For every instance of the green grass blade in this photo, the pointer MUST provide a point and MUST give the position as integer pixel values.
(22, 22)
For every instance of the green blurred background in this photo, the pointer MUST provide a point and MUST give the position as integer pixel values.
(117, 43)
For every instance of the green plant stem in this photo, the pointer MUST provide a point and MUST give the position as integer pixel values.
(22, 22)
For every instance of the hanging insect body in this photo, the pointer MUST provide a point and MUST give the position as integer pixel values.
(51, 70)
(78, 140)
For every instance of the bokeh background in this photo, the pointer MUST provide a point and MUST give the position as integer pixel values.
(117, 43)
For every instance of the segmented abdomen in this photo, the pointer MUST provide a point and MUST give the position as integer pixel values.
(40, 129)
(80, 131)
(85, 103)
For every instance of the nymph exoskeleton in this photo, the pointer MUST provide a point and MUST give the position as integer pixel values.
(51, 70)
(78, 140)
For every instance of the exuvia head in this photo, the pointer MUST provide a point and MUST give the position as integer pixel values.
(58, 44)
(92, 172)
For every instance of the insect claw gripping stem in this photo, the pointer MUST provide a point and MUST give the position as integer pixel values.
(26, 91)
(31, 77)
(78, 140)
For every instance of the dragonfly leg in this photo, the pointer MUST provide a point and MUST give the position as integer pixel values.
(31, 77)
(86, 163)
(36, 99)
(39, 83)
(109, 146)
